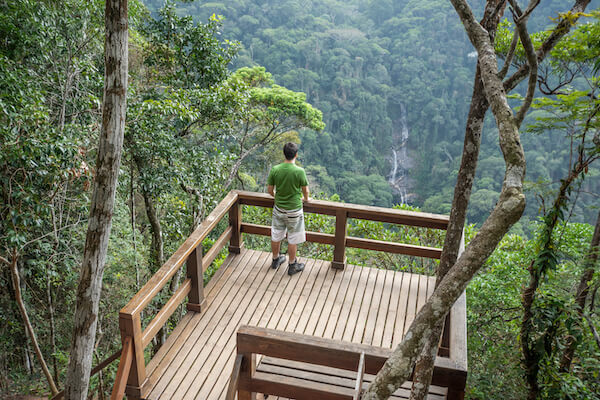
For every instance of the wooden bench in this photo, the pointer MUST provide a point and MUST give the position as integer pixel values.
(306, 367)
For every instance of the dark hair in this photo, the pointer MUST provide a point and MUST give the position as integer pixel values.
(290, 150)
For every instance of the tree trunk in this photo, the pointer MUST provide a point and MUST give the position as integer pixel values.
(507, 211)
(531, 355)
(460, 202)
(158, 253)
(50, 301)
(581, 296)
(101, 210)
(133, 229)
(16, 281)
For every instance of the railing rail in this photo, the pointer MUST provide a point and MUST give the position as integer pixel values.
(344, 211)
(190, 253)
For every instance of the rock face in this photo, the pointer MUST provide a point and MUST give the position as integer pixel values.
(400, 160)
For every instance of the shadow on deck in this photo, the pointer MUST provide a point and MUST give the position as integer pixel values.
(347, 316)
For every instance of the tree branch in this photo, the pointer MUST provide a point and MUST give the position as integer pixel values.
(509, 55)
(593, 329)
(561, 29)
(521, 23)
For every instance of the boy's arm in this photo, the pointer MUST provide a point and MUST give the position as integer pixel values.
(306, 193)
(271, 190)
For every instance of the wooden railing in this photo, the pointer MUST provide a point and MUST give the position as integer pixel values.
(190, 254)
(344, 211)
(360, 358)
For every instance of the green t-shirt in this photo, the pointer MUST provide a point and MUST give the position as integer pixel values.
(288, 180)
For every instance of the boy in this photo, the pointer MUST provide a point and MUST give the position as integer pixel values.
(288, 184)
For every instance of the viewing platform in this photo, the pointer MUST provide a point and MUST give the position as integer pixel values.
(320, 334)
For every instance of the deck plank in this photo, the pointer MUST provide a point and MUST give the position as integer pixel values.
(332, 280)
(392, 311)
(402, 309)
(216, 346)
(375, 330)
(357, 304)
(261, 308)
(206, 322)
(411, 307)
(266, 307)
(322, 282)
(359, 296)
(290, 305)
(333, 298)
(376, 304)
(365, 307)
(167, 365)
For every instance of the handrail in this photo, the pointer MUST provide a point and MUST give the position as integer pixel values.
(190, 251)
(164, 314)
(162, 276)
(123, 370)
(371, 213)
(355, 242)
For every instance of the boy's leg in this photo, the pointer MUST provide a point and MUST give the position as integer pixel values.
(278, 231)
(292, 251)
(275, 246)
(277, 259)
(296, 235)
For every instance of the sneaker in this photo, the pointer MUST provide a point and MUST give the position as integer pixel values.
(278, 261)
(295, 267)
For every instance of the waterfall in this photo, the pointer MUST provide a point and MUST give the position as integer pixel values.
(400, 160)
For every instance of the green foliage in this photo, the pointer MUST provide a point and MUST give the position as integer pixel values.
(354, 66)
(494, 320)
(361, 63)
(50, 85)
(185, 54)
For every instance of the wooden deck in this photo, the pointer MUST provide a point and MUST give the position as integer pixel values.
(357, 304)
(342, 313)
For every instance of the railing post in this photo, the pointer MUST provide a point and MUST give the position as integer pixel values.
(339, 250)
(123, 370)
(247, 371)
(131, 325)
(235, 221)
(194, 272)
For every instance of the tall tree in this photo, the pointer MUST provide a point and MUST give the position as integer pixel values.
(101, 211)
(507, 211)
(270, 112)
(460, 202)
(466, 174)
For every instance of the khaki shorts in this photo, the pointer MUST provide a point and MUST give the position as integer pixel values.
(290, 222)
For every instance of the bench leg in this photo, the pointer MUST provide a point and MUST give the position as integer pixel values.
(245, 395)
(247, 370)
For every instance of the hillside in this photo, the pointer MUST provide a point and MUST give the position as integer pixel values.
(393, 79)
